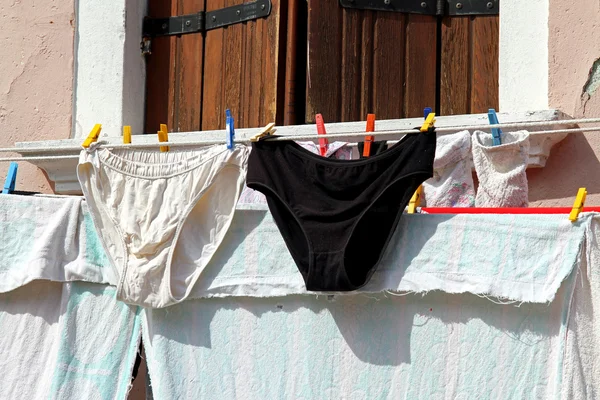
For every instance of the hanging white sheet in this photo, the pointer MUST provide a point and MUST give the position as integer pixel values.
(49, 238)
(260, 335)
(66, 341)
(437, 346)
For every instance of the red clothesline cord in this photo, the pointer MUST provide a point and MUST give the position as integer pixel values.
(532, 210)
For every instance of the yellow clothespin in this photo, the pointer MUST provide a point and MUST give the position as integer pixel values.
(578, 205)
(127, 134)
(429, 122)
(163, 136)
(266, 131)
(415, 201)
(93, 136)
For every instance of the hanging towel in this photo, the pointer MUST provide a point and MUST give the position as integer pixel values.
(580, 379)
(501, 169)
(527, 256)
(452, 182)
(521, 257)
(437, 346)
(66, 341)
(51, 238)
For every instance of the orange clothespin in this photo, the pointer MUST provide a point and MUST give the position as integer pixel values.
(127, 134)
(369, 138)
(578, 205)
(266, 131)
(93, 136)
(415, 200)
(321, 131)
(163, 136)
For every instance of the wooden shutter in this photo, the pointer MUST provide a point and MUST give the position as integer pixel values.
(314, 56)
(369, 61)
(192, 79)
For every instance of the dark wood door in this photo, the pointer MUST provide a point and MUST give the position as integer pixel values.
(314, 56)
(193, 79)
(368, 61)
(395, 65)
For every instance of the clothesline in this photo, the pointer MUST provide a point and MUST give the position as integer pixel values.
(456, 210)
(502, 210)
(311, 137)
(448, 210)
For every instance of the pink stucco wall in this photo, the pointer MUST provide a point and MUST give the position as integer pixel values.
(573, 83)
(36, 78)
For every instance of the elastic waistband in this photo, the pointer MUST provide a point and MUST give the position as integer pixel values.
(156, 164)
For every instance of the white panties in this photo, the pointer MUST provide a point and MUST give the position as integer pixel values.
(161, 216)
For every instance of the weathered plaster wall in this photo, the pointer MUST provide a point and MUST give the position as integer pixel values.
(573, 83)
(523, 55)
(36, 78)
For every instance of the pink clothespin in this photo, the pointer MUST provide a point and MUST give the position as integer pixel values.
(321, 131)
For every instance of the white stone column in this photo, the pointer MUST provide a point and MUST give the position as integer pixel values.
(110, 72)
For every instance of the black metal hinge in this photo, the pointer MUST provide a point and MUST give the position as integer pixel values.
(428, 7)
(202, 21)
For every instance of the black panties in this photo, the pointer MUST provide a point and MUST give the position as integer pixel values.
(376, 148)
(337, 216)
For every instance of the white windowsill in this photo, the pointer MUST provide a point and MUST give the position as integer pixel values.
(63, 171)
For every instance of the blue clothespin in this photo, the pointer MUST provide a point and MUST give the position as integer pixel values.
(496, 133)
(426, 112)
(11, 179)
(229, 128)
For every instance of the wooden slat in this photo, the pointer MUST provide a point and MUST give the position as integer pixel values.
(484, 84)
(291, 60)
(160, 72)
(255, 93)
(244, 113)
(272, 80)
(212, 109)
(324, 56)
(455, 82)
(421, 39)
(350, 84)
(233, 74)
(295, 65)
(389, 67)
(367, 72)
(188, 70)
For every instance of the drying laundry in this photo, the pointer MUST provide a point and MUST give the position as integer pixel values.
(337, 150)
(337, 216)
(376, 148)
(452, 182)
(516, 256)
(501, 169)
(582, 350)
(378, 346)
(161, 215)
(390, 345)
(66, 341)
(49, 238)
